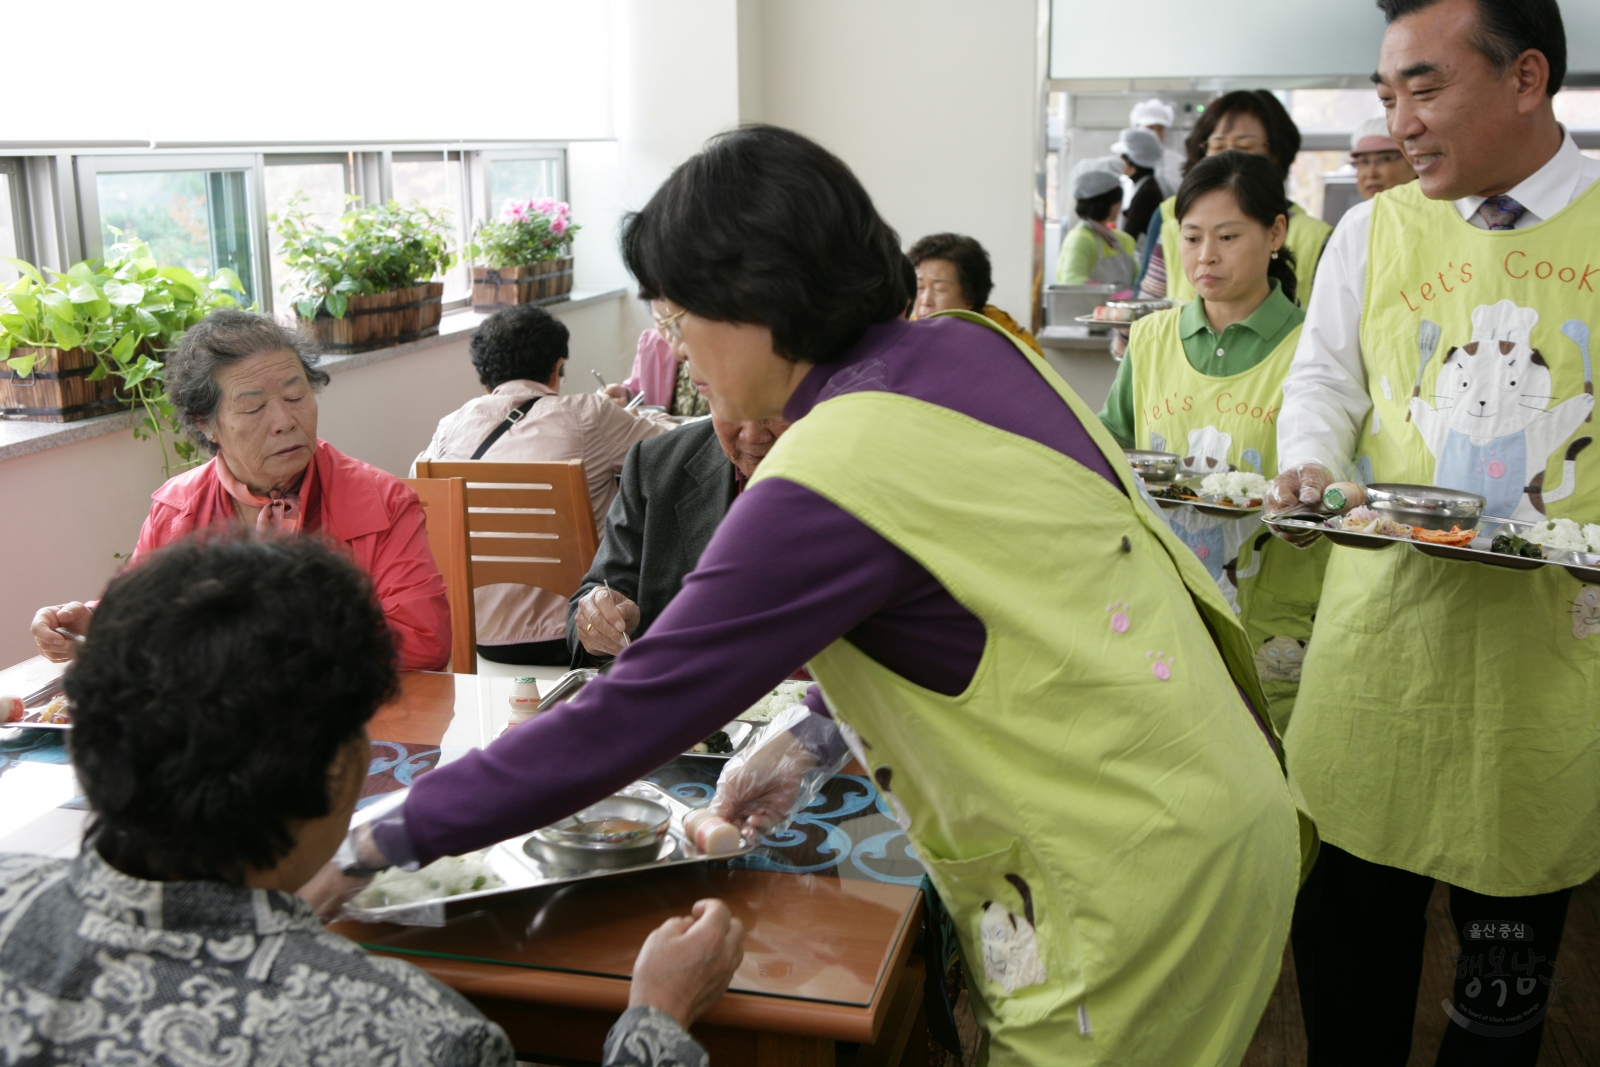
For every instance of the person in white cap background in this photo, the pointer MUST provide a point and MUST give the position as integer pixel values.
(1378, 160)
(1094, 251)
(1446, 729)
(1141, 155)
(1157, 115)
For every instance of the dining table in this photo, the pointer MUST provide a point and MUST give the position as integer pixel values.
(832, 904)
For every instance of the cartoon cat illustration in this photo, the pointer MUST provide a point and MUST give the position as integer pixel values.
(1279, 659)
(1011, 945)
(1208, 451)
(1493, 430)
(1204, 536)
(1586, 613)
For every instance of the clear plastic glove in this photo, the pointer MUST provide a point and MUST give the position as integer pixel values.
(779, 772)
(52, 646)
(606, 621)
(330, 888)
(687, 962)
(1300, 486)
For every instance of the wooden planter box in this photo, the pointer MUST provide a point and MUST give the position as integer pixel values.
(58, 390)
(381, 320)
(533, 283)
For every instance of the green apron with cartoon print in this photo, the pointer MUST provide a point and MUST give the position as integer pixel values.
(1100, 812)
(1306, 238)
(1449, 713)
(1216, 423)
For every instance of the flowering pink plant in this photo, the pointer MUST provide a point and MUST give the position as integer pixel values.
(528, 231)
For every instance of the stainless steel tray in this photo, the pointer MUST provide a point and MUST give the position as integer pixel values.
(522, 871)
(739, 733)
(1584, 566)
(1203, 506)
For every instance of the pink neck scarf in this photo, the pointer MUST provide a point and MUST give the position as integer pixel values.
(281, 513)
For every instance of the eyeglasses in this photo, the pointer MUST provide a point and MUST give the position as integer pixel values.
(669, 324)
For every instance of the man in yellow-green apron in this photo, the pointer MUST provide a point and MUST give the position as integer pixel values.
(1448, 725)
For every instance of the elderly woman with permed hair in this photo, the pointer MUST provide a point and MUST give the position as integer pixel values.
(245, 389)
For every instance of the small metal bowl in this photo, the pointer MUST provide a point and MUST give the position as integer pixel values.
(569, 845)
(1156, 468)
(1428, 506)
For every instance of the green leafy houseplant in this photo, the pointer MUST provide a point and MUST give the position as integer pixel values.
(127, 311)
(374, 249)
(527, 231)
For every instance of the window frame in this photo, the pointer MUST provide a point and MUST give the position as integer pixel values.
(484, 161)
(14, 173)
(88, 168)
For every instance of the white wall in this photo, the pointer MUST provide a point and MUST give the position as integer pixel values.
(312, 70)
(931, 102)
(69, 509)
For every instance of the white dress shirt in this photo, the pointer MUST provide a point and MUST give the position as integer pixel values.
(1325, 397)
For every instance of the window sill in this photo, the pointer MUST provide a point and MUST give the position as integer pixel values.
(24, 438)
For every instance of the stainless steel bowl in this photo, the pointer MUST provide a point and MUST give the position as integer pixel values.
(577, 846)
(1427, 506)
(1156, 468)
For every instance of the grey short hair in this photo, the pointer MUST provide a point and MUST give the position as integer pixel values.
(224, 337)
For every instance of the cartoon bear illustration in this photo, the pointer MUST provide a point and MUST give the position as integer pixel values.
(1011, 945)
(1208, 451)
(1492, 430)
(1279, 659)
(1586, 613)
(1204, 536)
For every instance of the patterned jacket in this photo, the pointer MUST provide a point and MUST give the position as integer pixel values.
(97, 967)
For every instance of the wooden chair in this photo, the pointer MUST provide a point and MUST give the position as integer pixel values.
(444, 502)
(527, 523)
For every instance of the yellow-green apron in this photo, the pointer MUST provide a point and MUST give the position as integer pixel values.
(1449, 713)
(1112, 266)
(1306, 238)
(1101, 813)
(1216, 423)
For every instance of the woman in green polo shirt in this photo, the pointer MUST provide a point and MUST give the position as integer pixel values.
(1205, 381)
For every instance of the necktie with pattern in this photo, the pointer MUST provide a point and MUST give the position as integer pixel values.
(1501, 212)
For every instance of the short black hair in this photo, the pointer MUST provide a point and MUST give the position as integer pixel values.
(226, 336)
(1256, 187)
(218, 681)
(765, 226)
(1098, 208)
(519, 343)
(1506, 29)
(1283, 136)
(972, 264)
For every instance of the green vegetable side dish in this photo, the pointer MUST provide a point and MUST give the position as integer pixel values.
(127, 311)
(372, 250)
(1512, 545)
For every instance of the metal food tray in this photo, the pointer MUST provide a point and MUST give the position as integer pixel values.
(739, 731)
(522, 871)
(1203, 506)
(1101, 324)
(1584, 566)
(567, 687)
(42, 695)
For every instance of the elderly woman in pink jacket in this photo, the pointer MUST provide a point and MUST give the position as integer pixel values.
(661, 377)
(244, 387)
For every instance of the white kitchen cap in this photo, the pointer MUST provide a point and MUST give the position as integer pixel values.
(1139, 145)
(1151, 113)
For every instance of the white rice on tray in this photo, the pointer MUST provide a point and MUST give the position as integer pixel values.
(446, 877)
(781, 699)
(1235, 485)
(1564, 535)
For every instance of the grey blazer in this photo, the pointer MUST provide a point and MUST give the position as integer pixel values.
(675, 490)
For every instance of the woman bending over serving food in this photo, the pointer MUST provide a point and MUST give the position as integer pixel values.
(1205, 380)
(1043, 681)
(245, 389)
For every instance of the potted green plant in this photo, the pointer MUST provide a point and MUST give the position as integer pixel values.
(90, 340)
(527, 255)
(367, 283)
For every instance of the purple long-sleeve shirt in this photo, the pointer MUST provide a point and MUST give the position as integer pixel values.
(786, 574)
